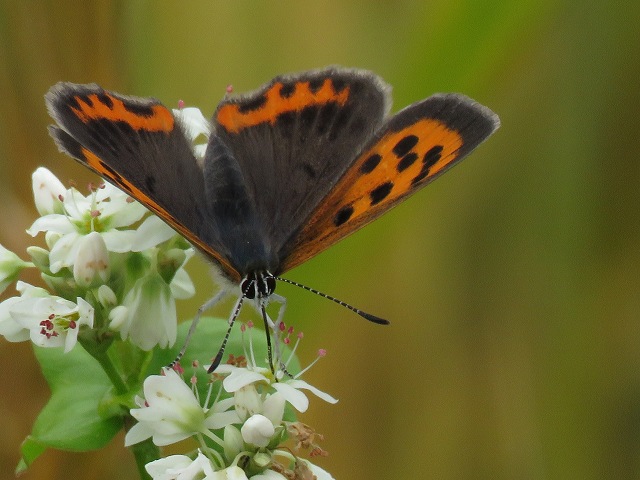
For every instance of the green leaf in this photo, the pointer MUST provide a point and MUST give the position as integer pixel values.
(73, 419)
(30, 449)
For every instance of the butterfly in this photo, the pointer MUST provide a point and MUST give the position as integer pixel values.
(290, 168)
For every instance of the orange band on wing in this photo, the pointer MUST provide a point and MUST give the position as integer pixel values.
(160, 118)
(233, 118)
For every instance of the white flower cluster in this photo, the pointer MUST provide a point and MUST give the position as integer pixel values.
(250, 423)
(95, 243)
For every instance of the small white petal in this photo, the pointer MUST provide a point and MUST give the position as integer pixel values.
(273, 408)
(123, 213)
(318, 393)
(296, 398)
(47, 190)
(53, 223)
(241, 377)
(91, 265)
(193, 122)
(319, 473)
(9, 328)
(117, 317)
(136, 434)
(64, 252)
(182, 286)
(119, 241)
(151, 233)
(221, 420)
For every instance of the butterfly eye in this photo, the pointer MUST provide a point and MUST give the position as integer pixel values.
(260, 284)
(247, 287)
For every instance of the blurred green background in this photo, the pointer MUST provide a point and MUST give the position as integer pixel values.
(512, 282)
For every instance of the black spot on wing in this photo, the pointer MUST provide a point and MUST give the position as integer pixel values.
(380, 193)
(343, 215)
(405, 145)
(432, 155)
(138, 109)
(316, 84)
(287, 90)
(429, 160)
(253, 104)
(370, 163)
(105, 99)
(408, 160)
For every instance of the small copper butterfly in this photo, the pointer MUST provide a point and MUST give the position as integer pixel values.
(289, 169)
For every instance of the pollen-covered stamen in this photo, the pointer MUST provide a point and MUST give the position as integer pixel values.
(295, 347)
(178, 368)
(321, 353)
(54, 325)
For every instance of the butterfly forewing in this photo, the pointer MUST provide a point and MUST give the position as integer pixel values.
(137, 145)
(294, 137)
(414, 147)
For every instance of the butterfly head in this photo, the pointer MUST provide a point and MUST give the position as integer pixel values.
(258, 284)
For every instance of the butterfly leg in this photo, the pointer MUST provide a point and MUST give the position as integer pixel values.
(203, 308)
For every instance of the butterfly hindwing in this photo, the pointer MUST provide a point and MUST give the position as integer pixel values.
(413, 148)
(138, 145)
(294, 137)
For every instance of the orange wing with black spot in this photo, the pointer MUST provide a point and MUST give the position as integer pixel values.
(136, 144)
(413, 148)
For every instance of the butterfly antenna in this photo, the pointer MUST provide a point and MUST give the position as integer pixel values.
(232, 320)
(368, 316)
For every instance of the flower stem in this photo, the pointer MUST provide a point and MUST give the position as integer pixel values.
(99, 352)
(144, 452)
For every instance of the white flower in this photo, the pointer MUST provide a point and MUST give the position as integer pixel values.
(150, 233)
(180, 467)
(47, 191)
(52, 321)
(257, 430)
(91, 266)
(9, 328)
(195, 125)
(148, 314)
(10, 267)
(170, 412)
(107, 210)
(289, 388)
